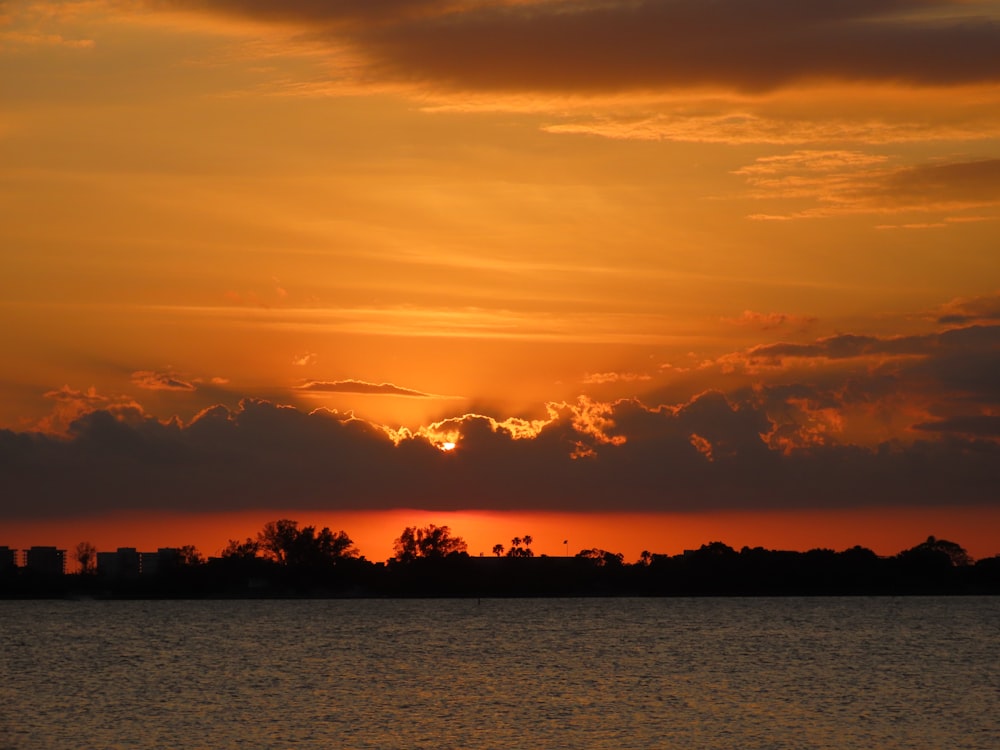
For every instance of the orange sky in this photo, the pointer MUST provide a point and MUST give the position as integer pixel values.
(733, 262)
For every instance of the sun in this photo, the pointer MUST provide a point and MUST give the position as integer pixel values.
(447, 446)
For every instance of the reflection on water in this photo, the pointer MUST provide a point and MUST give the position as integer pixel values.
(540, 673)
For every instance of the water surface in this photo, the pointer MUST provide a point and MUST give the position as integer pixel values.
(502, 673)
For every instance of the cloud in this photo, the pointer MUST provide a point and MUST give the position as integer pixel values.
(304, 359)
(973, 426)
(964, 365)
(954, 366)
(960, 184)
(599, 46)
(66, 394)
(708, 453)
(72, 404)
(822, 162)
(600, 378)
(749, 46)
(12, 38)
(770, 321)
(917, 225)
(337, 14)
(975, 310)
(863, 390)
(842, 346)
(160, 381)
(358, 386)
(850, 420)
(851, 182)
(737, 124)
(847, 346)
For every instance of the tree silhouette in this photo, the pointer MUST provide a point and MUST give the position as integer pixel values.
(189, 555)
(285, 543)
(432, 542)
(277, 539)
(242, 550)
(330, 545)
(86, 555)
(498, 549)
(602, 558)
(516, 550)
(949, 553)
(715, 549)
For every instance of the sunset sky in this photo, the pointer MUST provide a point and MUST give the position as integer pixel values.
(629, 274)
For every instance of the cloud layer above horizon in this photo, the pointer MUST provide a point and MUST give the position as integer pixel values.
(794, 430)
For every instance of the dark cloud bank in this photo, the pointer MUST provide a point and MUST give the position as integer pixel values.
(750, 449)
(596, 45)
(262, 456)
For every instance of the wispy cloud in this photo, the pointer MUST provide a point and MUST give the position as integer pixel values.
(598, 378)
(161, 381)
(770, 321)
(14, 38)
(458, 322)
(358, 386)
(850, 182)
(733, 124)
(971, 310)
(71, 404)
(71, 395)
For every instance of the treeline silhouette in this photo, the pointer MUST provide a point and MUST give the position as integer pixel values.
(286, 560)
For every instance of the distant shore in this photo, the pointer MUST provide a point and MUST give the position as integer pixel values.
(713, 570)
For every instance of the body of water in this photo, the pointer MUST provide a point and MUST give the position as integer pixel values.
(791, 673)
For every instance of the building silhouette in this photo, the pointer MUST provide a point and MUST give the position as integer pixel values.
(8, 560)
(124, 563)
(128, 563)
(45, 560)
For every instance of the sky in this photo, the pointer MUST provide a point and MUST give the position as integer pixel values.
(633, 274)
